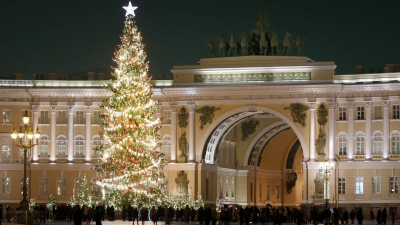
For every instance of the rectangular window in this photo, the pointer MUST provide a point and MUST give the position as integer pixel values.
(360, 146)
(376, 185)
(79, 149)
(6, 185)
(359, 186)
(22, 185)
(396, 111)
(44, 186)
(396, 144)
(6, 115)
(96, 116)
(360, 113)
(342, 113)
(268, 193)
(394, 185)
(378, 145)
(44, 117)
(342, 145)
(342, 185)
(378, 112)
(5, 147)
(79, 117)
(167, 117)
(62, 117)
(77, 185)
(61, 186)
(277, 192)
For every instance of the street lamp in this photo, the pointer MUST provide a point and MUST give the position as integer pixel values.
(25, 143)
(326, 169)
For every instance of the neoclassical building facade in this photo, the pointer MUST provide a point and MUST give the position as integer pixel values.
(249, 130)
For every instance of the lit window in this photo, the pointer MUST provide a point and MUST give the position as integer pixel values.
(376, 185)
(79, 117)
(378, 144)
(22, 185)
(44, 186)
(5, 147)
(6, 115)
(62, 117)
(62, 147)
(396, 111)
(167, 117)
(166, 146)
(77, 185)
(342, 185)
(342, 145)
(6, 186)
(342, 113)
(96, 116)
(394, 185)
(360, 112)
(21, 153)
(44, 117)
(396, 144)
(96, 143)
(359, 185)
(61, 186)
(44, 146)
(378, 112)
(360, 145)
(79, 143)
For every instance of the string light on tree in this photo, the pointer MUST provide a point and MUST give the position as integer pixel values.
(131, 166)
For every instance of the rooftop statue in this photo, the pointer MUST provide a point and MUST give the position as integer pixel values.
(274, 44)
(223, 45)
(245, 44)
(233, 45)
(211, 48)
(286, 44)
(298, 44)
(262, 20)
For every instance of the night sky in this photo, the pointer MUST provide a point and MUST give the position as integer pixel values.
(77, 36)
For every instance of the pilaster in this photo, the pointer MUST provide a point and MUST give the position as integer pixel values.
(71, 110)
(88, 133)
(368, 130)
(350, 129)
(35, 113)
(312, 106)
(53, 134)
(192, 108)
(174, 108)
(386, 130)
(332, 123)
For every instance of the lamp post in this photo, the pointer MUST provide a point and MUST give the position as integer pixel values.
(25, 143)
(326, 168)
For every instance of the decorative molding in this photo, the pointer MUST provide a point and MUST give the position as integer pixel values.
(312, 105)
(248, 128)
(159, 108)
(331, 104)
(88, 108)
(173, 107)
(251, 107)
(183, 118)
(368, 104)
(53, 108)
(35, 108)
(385, 103)
(322, 114)
(191, 107)
(208, 115)
(350, 104)
(71, 108)
(297, 110)
(251, 77)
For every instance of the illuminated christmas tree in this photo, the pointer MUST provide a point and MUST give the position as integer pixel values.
(131, 165)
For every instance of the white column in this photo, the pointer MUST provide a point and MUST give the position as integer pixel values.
(35, 114)
(386, 131)
(332, 123)
(88, 133)
(158, 115)
(192, 108)
(350, 130)
(71, 109)
(53, 134)
(173, 107)
(368, 130)
(313, 106)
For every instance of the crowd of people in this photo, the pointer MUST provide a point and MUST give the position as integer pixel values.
(208, 215)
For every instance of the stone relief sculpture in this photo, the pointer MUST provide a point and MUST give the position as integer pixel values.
(291, 183)
(297, 111)
(248, 128)
(322, 114)
(319, 185)
(183, 145)
(208, 115)
(183, 118)
(181, 183)
(320, 142)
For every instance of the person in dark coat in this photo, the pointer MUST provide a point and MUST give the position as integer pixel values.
(360, 216)
(299, 218)
(200, 215)
(384, 215)
(123, 213)
(143, 215)
(78, 216)
(241, 216)
(207, 216)
(352, 215)
(379, 216)
(135, 216)
(98, 215)
(130, 212)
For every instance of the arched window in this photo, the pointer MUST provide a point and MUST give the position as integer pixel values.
(44, 146)
(166, 146)
(79, 144)
(377, 143)
(360, 142)
(342, 144)
(62, 147)
(395, 143)
(96, 142)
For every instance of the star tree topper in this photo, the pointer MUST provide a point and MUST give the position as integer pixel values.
(130, 9)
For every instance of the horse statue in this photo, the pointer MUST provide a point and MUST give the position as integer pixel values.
(263, 43)
(299, 44)
(211, 48)
(286, 44)
(223, 45)
(245, 44)
(233, 45)
(274, 44)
